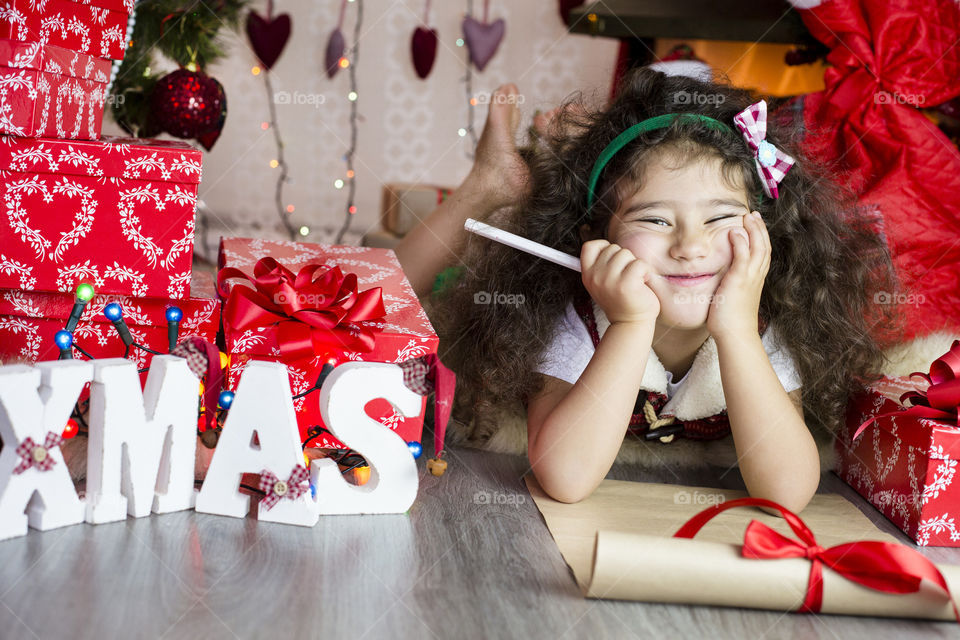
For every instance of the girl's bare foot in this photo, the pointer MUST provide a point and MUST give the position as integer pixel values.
(498, 170)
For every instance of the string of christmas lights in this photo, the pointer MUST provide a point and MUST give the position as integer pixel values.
(351, 65)
(471, 99)
(284, 212)
(349, 460)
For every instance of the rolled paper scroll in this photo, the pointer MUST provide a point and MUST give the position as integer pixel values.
(628, 566)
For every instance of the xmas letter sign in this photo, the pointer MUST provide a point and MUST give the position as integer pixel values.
(142, 444)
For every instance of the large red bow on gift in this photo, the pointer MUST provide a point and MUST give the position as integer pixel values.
(941, 400)
(315, 311)
(882, 566)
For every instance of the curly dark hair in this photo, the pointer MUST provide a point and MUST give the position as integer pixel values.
(828, 260)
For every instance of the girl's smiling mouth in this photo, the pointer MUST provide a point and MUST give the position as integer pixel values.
(691, 280)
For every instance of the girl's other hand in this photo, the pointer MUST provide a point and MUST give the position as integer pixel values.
(617, 281)
(736, 303)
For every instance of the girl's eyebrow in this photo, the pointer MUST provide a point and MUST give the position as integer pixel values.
(671, 204)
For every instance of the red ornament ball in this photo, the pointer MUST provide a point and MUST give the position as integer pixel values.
(190, 104)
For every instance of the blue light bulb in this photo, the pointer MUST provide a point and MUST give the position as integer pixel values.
(63, 339)
(174, 314)
(113, 311)
(415, 448)
(226, 399)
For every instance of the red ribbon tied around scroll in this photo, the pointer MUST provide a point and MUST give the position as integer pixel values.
(940, 401)
(882, 566)
(316, 311)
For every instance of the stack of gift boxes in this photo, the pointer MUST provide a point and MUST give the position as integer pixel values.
(91, 220)
(80, 209)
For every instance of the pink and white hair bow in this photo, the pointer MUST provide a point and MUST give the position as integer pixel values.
(772, 163)
(274, 488)
(37, 455)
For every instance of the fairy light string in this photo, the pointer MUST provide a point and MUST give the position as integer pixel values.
(353, 98)
(348, 459)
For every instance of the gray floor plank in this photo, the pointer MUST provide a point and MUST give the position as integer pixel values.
(471, 559)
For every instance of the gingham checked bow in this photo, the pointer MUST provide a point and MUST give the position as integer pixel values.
(36, 455)
(772, 163)
(274, 489)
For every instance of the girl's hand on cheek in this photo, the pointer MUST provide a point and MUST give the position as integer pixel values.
(617, 281)
(736, 303)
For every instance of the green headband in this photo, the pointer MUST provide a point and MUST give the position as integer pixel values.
(650, 124)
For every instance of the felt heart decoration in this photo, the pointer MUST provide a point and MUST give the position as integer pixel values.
(424, 49)
(268, 36)
(566, 6)
(335, 48)
(482, 39)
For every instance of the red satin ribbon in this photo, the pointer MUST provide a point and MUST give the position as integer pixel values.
(882, 566)
(315, 311)
(941, 400)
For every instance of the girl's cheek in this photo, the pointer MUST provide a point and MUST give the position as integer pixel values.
(643, 245)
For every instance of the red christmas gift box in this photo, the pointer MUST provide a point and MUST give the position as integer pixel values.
(401, 332)
(116, 212)
(98, 28)
(29, 320)
(904, 459)
(51, 92)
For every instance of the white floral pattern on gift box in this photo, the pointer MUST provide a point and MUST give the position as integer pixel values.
(73, 25)
(51, 92)
(904, 466)
(128, 210)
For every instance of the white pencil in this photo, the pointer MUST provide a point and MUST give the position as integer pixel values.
(521, 243)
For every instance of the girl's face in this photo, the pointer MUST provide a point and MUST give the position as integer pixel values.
(679, 223)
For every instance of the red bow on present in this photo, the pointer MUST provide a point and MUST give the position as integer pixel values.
(882, 566)
(37, 455)
(941, 400)
(315, 311)
(275, 489)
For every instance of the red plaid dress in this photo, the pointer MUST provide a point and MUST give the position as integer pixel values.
(709, 428)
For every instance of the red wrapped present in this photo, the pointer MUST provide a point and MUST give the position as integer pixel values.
(117, 213)
(51, 92)
(904, 459)
(345, 303)
(97, 27)
(29, 320)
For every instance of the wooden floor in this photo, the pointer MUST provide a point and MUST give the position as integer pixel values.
(472, 559)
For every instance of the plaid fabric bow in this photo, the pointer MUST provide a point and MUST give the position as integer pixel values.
(37, 455)
(425, 375)
(274, 488)
(772, 163)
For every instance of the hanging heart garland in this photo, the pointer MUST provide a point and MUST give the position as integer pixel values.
(482, 38)
(268, 36)
(336, 45)
(423, 46)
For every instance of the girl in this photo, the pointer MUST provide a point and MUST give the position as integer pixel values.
(720, 277)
